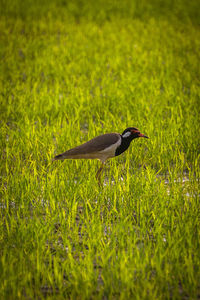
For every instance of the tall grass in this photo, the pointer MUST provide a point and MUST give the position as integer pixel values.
(71, 71)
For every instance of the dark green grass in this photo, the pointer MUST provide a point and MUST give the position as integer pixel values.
(71, 71)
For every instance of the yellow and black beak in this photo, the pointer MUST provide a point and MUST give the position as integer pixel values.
(142, 135)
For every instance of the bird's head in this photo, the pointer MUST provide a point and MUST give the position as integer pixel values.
(132, 133)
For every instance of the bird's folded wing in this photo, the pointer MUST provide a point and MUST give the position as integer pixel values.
(95, 145)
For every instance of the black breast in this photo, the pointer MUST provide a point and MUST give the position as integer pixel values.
(123, 147)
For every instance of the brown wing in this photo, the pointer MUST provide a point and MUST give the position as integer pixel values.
(95, 145)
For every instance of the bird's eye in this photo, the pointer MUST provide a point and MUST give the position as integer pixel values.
(135, 131)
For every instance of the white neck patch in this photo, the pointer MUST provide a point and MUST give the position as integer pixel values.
(125, 135)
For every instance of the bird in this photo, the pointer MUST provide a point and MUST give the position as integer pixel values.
(103, 147)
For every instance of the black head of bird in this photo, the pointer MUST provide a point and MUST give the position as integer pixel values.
(103, 147)
(126, 138)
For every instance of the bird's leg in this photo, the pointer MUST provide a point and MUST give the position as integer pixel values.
(98, 175)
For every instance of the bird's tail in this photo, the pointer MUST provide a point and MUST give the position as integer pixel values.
(58, 157)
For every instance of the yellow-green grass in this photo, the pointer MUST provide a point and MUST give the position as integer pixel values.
(71, 71)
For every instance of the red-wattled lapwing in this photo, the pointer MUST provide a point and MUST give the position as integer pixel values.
(103, 147)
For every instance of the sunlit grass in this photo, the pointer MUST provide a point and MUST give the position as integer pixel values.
(70, 72)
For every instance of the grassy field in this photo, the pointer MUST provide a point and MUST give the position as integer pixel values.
(70, 71)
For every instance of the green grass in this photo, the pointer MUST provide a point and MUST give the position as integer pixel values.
(71, 71)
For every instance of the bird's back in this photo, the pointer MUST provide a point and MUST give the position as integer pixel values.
(93, 146)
